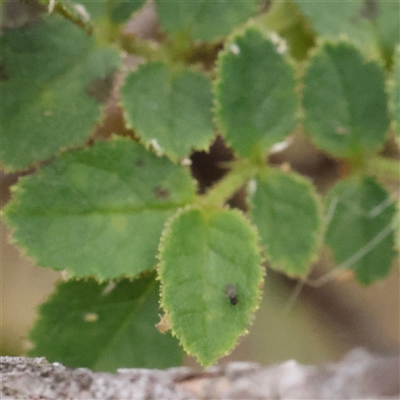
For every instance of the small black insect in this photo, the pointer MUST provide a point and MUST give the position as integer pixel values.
(230, 290)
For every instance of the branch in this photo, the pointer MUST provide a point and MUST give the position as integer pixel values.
(360, 375)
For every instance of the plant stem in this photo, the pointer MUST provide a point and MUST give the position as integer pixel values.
(387, 168)
(70, 13)
(242, 171)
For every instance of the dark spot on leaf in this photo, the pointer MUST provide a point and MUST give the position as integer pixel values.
(3, 74)
(139, 163)
(230, 290)
(233, 300)
(100, 88)
(161, 193)
(370, 9)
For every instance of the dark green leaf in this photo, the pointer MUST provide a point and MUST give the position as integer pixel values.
(104, 326)
(54, 80)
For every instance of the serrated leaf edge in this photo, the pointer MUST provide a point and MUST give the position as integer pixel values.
(261, 283)
(152, 144)
(276, 40)
(368, 59)
(319, 232)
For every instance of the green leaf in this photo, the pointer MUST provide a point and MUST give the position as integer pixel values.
(53, 83)
(118, 11)
(256, 101)
(395, 92)
(360, 228)
(98, 211)
(123, 9)
(373, 26)
(387, 25)
(335, 19)
(285, 210)
(203, 19)
(104, 326)
(286, 19)
(75, 13)
(210, 271)
(344, 101)
(169, 110)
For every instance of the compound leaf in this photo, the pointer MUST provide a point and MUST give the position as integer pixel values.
(53, 82)
(169, 110)
(210, 271)
(203, 19)
(285, 210)
(344, 101)
(360, 231)
(98, 211)
(256, 100)
(104, 326)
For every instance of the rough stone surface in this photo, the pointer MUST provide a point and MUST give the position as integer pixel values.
(360, 375)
